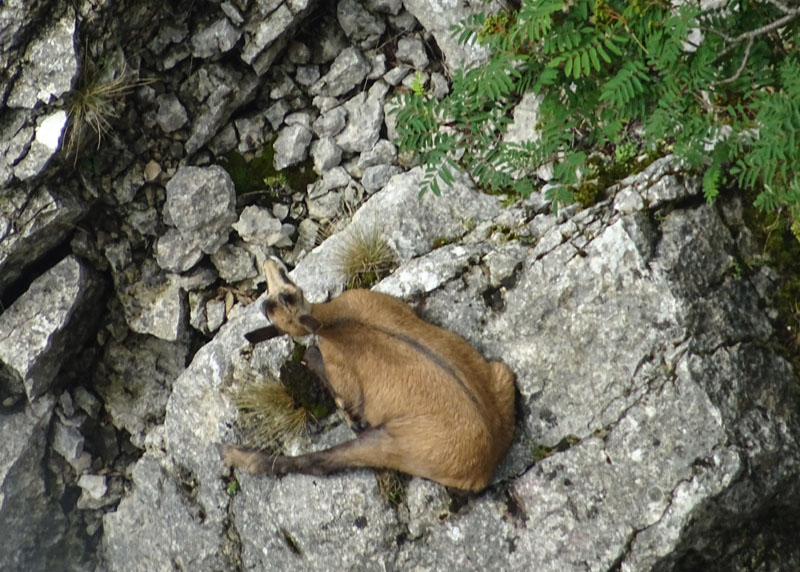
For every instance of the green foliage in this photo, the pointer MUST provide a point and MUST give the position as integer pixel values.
(622, 79)
(256, 174)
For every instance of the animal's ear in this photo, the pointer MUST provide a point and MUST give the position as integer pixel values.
(262, 334)
(310, 323)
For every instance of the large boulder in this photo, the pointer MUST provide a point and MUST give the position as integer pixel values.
(46, 325)
(651, 420)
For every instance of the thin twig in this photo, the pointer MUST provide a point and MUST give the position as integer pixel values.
(780, 6)
(735, 76)
(752, 34)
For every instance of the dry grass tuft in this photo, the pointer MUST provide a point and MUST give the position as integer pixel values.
(391, 486)
(365, 257)
(268, 415)
(95, 103)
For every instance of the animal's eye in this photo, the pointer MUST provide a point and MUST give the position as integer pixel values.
(269, 306)
(287, 299)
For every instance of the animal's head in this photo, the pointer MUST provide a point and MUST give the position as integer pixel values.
(285, 306)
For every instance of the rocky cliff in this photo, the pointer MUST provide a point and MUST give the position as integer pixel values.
(658, 419)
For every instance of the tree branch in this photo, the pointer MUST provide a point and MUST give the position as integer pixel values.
(735, 76)
(752, 34)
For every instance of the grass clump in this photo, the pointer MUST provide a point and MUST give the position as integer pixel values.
(365, 257)
(391, 486)
(268, 414)
(95, 103)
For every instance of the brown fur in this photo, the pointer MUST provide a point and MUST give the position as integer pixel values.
(431, 406)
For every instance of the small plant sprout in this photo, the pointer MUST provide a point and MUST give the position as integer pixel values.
(391, 486)
(418, 85)
(364, 257)
(268, 415)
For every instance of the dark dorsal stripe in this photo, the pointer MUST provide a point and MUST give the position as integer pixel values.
(425, 351)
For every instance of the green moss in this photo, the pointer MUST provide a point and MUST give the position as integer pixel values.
(589, 193)
(781, 251)
(257, 173)
(540, 452)
(603, 174)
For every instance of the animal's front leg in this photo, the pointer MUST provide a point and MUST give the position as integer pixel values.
(353, 412)
(354, 420)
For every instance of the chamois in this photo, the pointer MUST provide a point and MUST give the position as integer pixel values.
(421, 399)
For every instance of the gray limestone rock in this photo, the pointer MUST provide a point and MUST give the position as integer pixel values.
(234, 263)
(325, 207)
(347, 71)
(291, 146)
(212, 94)
(233, 12)
(216, 39)
(382, 153)
(295, 525)
(396, 75)
(307, 75)
(171, 115)
(411, 50)
(298, 53)
(439, 86)
(326, 154)
(31, 223)
(364, 120)
(32, 522)
(359, 24)
(201, 203)
(50, 65)
(176, 253)
(257, 225)
(335, 178)
(276, 112)
(215, 314)
(377, 63)
(385, 6)
(411, 225)
(45, 325)
(185, 483)
(668, 434)
(45, 144)
(68, 442)
(330, 122)
(134, 379)
(438, 16)
(192, 534)
(303, 118)
(94, 489)
(375, 177)
(523, 129)
(266, 27)
(153, 302)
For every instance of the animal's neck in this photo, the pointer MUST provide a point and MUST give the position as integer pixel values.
(323, 313)
(330, 314)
